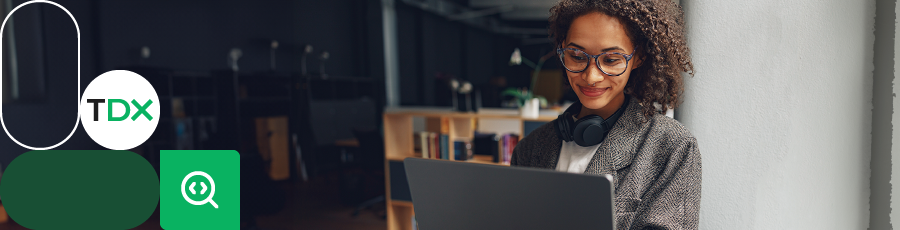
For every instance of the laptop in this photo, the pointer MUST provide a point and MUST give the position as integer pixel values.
(460, 195)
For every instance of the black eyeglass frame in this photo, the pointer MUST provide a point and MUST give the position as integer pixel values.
(561, 51)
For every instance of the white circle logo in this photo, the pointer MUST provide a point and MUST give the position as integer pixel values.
(119, 110)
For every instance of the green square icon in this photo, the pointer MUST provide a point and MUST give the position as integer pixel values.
(199, 189)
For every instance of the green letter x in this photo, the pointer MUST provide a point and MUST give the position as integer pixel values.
(141, 109)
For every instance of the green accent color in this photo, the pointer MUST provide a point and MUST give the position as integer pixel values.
(176, 212)
(141, 110)
(80, 189)
(109, 109)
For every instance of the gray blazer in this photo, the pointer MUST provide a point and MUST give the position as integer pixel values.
(655, 163)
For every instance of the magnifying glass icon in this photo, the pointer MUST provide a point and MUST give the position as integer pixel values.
(211, 193)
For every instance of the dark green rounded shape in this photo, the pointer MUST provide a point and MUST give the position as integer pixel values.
(79, 189)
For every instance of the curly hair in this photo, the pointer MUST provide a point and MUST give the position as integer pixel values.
(656, 28)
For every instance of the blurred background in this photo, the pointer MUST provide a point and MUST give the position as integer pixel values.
(791, 102)
(297, 87)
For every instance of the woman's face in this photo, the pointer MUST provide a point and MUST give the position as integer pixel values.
(596, 33)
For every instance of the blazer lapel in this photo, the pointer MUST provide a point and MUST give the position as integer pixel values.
(554, 144)
(617, 151)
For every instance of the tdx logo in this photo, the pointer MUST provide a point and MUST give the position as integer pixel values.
(141, 109)
(120, 110)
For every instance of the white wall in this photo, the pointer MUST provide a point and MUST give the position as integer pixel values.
(781, 106)
(895, 122)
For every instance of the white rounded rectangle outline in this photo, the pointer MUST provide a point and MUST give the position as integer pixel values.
(78, 73)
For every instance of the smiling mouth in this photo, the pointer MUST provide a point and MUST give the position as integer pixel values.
(593, 92)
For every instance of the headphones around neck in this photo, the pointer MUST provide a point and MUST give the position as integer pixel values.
(589, 130)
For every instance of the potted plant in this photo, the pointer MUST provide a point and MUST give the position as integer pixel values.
(529, 104)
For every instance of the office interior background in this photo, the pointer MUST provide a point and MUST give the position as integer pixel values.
(789, 102)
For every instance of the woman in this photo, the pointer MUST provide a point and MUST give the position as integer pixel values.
(624, 59)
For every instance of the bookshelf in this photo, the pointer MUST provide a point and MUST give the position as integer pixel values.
(399, 144)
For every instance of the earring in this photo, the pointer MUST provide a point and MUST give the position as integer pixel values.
(592, 85)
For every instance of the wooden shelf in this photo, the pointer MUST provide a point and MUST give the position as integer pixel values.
(402, 203)
(480, 159)
(399, 141)
(396, 158)
(484, 159)
(447, 112)
(400, 215)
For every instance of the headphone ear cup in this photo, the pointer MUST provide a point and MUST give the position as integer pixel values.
(589, 131)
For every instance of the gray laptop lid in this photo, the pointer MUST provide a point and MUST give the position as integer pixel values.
(459, 195)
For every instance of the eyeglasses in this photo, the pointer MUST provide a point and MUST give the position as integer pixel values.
(576, 61)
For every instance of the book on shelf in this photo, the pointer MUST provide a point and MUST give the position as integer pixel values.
(445, 146)
(417, 142)
(510, 142)
(506, 143)
(498, 154)
(499, 147)
(423, 145)
(429, 144)
(433, 145)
